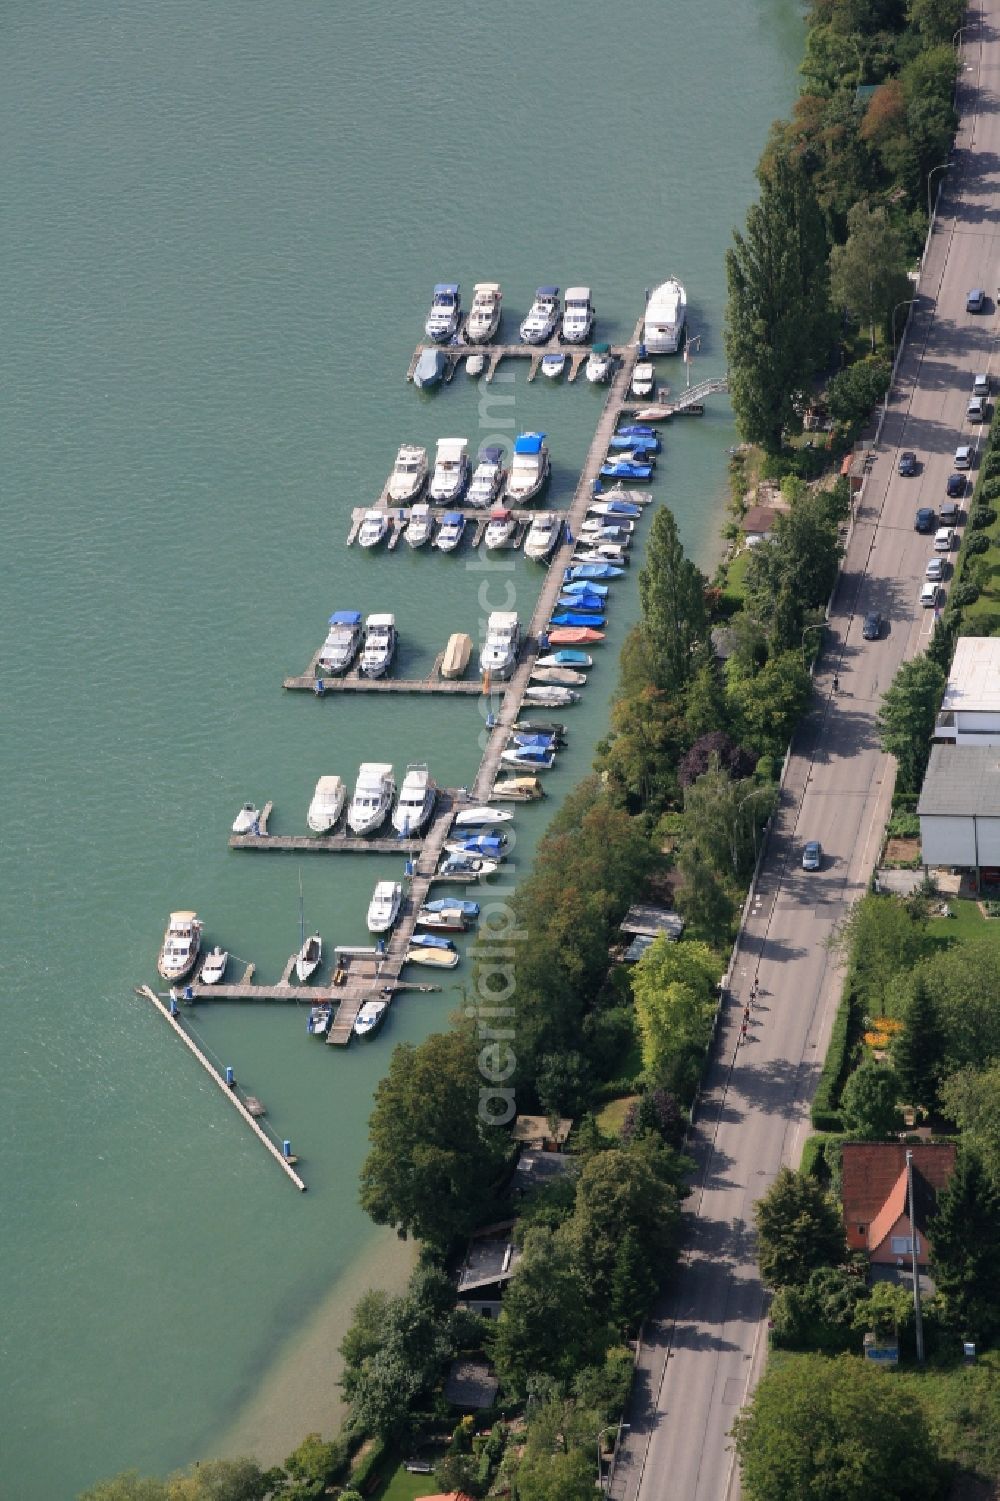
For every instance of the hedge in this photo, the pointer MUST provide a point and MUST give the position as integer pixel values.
(365, 1473)
(824, 1114)
(813, 1164)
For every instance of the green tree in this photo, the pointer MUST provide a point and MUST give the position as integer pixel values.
(722, 816)
(434, 1161)
(223, 1480)
(919, 1049)
(868, 272)
(886, 1311)
(458, 1474)
(835, 1430)
(936, 20)
(799, 1229)
(639, 756)
(868, 1102)
(971, 1098)
(853, 391)
(562, 1475)
(709, 911)
(605, 1388)
(818, 1314)
(794, 570)
(128, 1486)
(964, 982)
(705, 696)
(672, 595)
(964, 1236)
(769, 706)
(906, 718)
(674, 985)
(312, 1467)
(777, 316)
(882, 941)
(625, 1189)
(634, 1283)
(547, 1325)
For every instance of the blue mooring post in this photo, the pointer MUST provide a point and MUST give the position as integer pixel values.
(286, 1149)
(230, 1077)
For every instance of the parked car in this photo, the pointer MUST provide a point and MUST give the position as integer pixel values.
(981, 385)
(929, 594)
(907, 463)
(963, 456)
(934, 569)
(950, 513)
(924, 520)
(812, 855)
(944, 539)
(871, 626)
(976, 410)
(956, 486)
(976, 300)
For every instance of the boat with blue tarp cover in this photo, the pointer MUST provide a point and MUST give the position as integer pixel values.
(594, 571)
(529, 467)
(571, 617)
(429, 369)
(343, 642)
(585, 586)
(452, 903)
(626, 469)
(566, 658)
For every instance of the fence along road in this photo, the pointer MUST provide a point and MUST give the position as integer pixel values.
(704, 1348)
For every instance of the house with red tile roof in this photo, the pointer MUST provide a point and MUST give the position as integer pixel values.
(875, 1197)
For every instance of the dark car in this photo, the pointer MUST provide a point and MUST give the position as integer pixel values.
(956, 486)
(871, 626)
(923, 521)
(976, 300)
(907, 462)
(950, 513)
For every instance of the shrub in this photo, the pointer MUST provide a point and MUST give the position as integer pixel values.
(838, 1056)
(965, 593)
(365, 1472)
(980, 517)
(813, 1162)
(977, 542)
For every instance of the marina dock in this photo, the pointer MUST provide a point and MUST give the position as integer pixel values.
(354, 682)
(479, 516)
(287, 1164)
(344, 842)
(577, 356)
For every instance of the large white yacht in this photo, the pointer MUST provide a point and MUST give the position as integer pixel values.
(327, 804)
(451, 470)
(409, 474)
(380, 645)
(578, 315)
(383, 909)
(543, 535)
(343, 641)
(417, 796)
(543, 317)
(529, 468)
(373, 794)
(499, 653)
(484, 314)
(446, 312)
(487, 481)
(181, 945)
(666, 312)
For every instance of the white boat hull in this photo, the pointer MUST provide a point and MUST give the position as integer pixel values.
(433, 958)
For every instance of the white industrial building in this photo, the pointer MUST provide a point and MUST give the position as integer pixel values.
(959, 809)
(970, 709)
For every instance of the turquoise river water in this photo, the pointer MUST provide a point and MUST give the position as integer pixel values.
(222, 226)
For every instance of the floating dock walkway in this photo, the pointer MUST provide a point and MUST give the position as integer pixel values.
(576, 355)
(354, 682)
(344, 842)
(287, 1164)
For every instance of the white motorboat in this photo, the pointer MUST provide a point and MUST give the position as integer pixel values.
(451, 470)
(484, 314)
(529, 468)
(487, 481)
(415, 804)
(320, 1018)
(309, 958)
(543, 317)
(409, 475)
(553, 365)
(181, 943)
(434, 958)
(566, 677)
(578, 315)
(420, 527)
(213, 966)
(475, 364)
(450, 532)
(373, 794)
(456, 655)
(445, 920)
(604, 522)
(666, 314)
(643, 378)
(549, 693)
(446, 312)
(600, 364)
(370, 1018)
(499, 653)
(374, 526)
(380, 645)
(517, 790)
(245, 821)
(615, 553)
(481, 818)
(327, 804)
(343, 642)
(543, 536)
(469, 867)
(383, 909)
(501, 529)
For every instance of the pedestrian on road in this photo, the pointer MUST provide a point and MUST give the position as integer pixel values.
(743, 1033)
(836, 683)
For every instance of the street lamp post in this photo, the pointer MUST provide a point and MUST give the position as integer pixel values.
(906, 302)
(753, 824)
(941, 167)
(818, 627)
(958, 33)
(600, 1467)
(688, 345)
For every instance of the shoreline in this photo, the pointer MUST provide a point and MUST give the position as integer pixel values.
(297, 1392)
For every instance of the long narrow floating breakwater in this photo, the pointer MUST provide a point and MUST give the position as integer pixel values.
(283, 1162)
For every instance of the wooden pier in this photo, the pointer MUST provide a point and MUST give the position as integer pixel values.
(354, 682)
(343, 842)
(576, 356)
(478, 516)
(286, 1164)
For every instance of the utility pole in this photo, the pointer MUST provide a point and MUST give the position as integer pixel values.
(918, 1320)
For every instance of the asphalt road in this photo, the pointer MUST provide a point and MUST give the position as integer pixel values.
(705, 1347)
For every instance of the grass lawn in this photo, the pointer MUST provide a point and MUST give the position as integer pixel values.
(967, 924)
(735, 575)
(612, 1117)
(402, 1486)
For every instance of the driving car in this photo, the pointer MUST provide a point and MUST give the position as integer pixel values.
(950, 514)
(956, 486)
(963, 456)
(812, 855)
(871, 626)
(907, 462)
(929, 594)
(923, 521)
(934, 569)
(976, 300)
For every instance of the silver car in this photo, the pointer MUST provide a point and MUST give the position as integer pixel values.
(812, 855)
